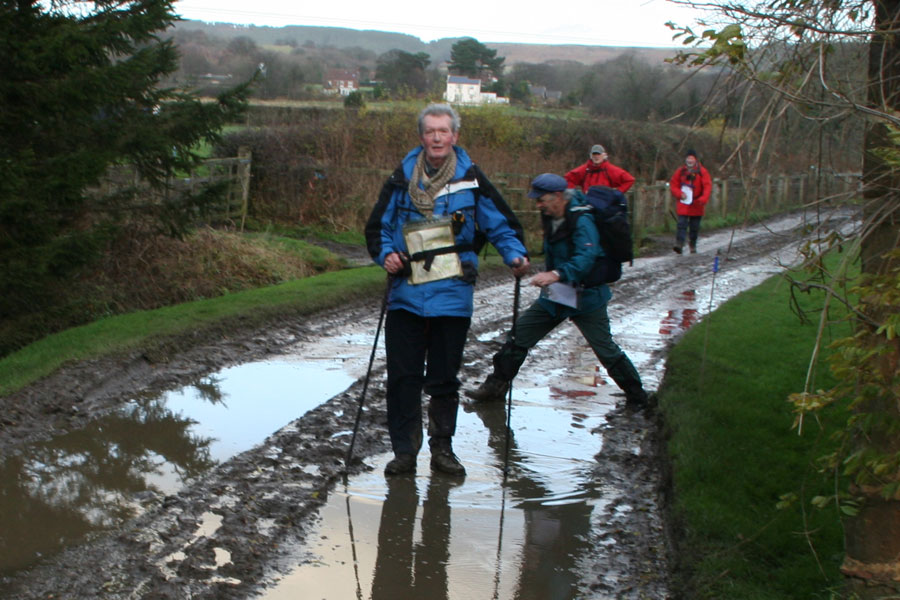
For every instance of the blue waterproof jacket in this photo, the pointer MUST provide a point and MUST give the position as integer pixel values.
(571, 250)
(484, 215)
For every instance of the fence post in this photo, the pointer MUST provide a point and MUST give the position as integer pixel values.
(634, 206)
(723, 200)
(777, 191)
(244, 157)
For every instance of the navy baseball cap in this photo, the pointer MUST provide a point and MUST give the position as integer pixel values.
(546, 183)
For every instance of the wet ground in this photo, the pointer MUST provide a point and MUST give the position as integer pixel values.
(220, 472)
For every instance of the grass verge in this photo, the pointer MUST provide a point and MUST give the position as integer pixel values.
(733, 455)
(155, 328)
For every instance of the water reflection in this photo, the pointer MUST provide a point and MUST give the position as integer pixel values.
(680, 319)
(405, 568)
(556, 523)
(430, 536)
(55, 492)
(242, 405)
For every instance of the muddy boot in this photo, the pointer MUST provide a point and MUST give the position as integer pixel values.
(493, 389)
(693, 248)
(402, 463)
(628, 380)
(637, 400)
(443, 459)
(677, 249)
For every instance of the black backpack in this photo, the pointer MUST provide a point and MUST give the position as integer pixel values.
(610, 209)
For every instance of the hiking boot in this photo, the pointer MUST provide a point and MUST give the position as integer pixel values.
(447, 462)
(443, 459)
(637, 401)
(402, 463)
(645, 403)
(677, 249)
(492, 390)
(693, 249)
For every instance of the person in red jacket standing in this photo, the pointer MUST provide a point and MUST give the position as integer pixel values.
(599, 171)
(691, 186)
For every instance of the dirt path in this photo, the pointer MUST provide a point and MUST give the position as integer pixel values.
(238, 528)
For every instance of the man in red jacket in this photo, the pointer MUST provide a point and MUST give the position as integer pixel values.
(691, 186)
(599, 171)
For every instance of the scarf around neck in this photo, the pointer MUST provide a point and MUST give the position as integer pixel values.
(423, 199)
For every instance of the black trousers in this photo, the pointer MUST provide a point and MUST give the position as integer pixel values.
(687, 227)
(412, 342)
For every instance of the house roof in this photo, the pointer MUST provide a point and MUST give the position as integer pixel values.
(342, 75)
(461, 79)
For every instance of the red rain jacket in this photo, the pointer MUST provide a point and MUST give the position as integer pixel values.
(701, 183)
(605, 173)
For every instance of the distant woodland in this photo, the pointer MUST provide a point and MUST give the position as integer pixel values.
(629, 84)
(632, 83)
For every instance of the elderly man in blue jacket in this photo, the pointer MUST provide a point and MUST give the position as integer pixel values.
(431, 216)
(571, 247)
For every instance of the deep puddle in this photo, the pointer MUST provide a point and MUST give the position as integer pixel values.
(56, 492)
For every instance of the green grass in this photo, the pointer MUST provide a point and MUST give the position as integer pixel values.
(153, 328)
(307, 231)
(733, 454)
(318, 258)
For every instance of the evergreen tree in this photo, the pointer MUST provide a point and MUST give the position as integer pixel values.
(80, 91)
(471, 58)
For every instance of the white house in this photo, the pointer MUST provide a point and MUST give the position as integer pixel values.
(463, 90)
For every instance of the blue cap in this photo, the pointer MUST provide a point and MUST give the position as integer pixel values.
(546, 183)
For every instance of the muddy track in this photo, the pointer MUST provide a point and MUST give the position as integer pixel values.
(261, 503)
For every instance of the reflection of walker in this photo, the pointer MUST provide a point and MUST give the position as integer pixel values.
(432, 249)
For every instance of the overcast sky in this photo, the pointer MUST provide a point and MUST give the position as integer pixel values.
(597, 23)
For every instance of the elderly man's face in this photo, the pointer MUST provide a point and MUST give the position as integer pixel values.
(552, 204)
(438, 138)
(690, 161)
(598, 157)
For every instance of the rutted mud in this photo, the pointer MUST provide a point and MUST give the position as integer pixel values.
(251, 507)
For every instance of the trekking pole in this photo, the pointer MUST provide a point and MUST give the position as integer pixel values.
(499, 560)
(512, 337)
(362, 396)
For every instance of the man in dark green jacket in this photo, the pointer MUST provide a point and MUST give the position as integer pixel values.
(571, 247)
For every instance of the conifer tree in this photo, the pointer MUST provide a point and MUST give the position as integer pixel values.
(81, 90)
(471, 58)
